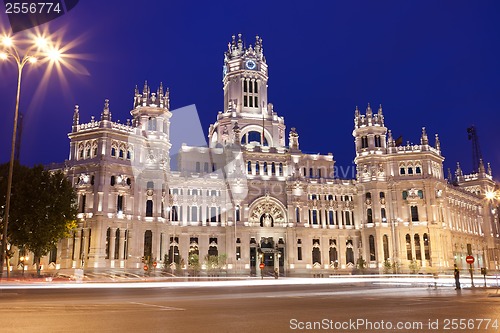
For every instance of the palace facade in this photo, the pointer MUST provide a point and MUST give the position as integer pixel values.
(251, 196)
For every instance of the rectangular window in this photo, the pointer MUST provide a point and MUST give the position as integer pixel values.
(238, 253)
(414, 213)
(255, 90)
(149, 208)
(245, 101)
(251, 101)
(256, 102)
(299, 253)
(245, 86)
(119, 204)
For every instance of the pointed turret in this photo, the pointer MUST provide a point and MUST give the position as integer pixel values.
(458, 173)
(390, 140)
(437, 144)
(76, 118)
(106, 114)
(481, 169)
(293, 139)
(489, 169)
(424, 140)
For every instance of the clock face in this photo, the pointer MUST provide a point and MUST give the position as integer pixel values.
(250, 64)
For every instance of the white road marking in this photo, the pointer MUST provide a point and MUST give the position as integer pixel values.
(160, 306)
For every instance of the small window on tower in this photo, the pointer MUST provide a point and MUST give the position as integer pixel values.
(245, 86)
(250, 86)
(256, 102)
(251, 102)
(245, 101)
(255, 87)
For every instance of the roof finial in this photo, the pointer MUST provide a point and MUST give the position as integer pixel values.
(424, 140)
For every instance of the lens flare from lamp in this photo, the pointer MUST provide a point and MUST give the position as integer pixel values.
(33, 60)
(3, 56)
(54, 55)
(7, 41)
(490, 195)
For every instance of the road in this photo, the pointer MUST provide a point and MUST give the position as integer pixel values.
(254, 308)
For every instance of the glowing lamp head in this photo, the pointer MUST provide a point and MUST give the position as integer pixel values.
(490, 195)
(41, 42)
(7, 41)
(32, 60)
(54, 55)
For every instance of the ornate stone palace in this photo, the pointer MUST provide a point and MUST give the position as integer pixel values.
(254, 196)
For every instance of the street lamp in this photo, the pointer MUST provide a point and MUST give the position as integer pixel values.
(23, 259)
(39, 47)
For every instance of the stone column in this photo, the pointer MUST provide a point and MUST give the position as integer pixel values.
(121, 247)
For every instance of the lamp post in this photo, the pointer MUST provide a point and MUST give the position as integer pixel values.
(37, 48)
(23, 260)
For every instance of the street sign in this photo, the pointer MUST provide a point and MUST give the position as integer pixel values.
(145, 267)
(469, 260)
(261, 266)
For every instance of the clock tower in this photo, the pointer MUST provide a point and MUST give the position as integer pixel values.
(246, 107)
(245, 77)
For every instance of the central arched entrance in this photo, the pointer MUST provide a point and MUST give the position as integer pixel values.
(268, 217)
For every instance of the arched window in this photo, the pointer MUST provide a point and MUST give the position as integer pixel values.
(418, 170)
(108, 238)
(364, 142)
(280, 169)
(265, 168)
(148, 244)
(418, 252)
(311, 173)
(371, 241)
(113, 151)
(426, 246)
(249, 167)
(257, 168)
(331, 220)
(297, 214)
(273, 168)
(385, 241)
(116, 254)
(369, 215)
(410, 170)
(383, 215)
(402, 170)
(121, 154)
(408, 247)
(378, 142)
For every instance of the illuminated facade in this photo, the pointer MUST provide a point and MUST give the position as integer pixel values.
(254, 196)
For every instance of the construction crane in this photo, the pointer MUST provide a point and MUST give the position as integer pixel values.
(477, 157)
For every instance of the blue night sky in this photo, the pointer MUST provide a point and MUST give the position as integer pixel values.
(429, 63)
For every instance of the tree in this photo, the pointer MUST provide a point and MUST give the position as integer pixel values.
(43, 209)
